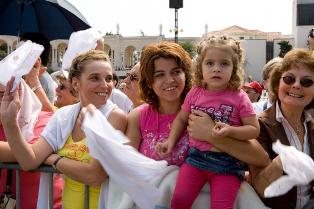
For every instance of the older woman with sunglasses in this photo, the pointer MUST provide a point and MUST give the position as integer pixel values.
(288, 120)
(64, 92)
(131, 86)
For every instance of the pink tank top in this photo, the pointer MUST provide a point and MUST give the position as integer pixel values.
(155, 127)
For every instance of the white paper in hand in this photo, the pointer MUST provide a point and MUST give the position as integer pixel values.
(126, 166)
(298, 166)
(19, 62)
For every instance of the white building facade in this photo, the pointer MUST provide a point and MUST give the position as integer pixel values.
(124, 52)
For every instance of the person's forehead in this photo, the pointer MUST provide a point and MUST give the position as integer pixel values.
(97, 67)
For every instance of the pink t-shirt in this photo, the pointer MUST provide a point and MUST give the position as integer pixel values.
(227, 106)
(155, 127)
(29, 181)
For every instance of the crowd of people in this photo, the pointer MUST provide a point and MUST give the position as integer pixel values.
(195, 114)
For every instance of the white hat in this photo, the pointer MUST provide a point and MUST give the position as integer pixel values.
(80, 42)
(19, 62)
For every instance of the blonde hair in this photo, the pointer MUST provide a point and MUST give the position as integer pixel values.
(79, 63)
(221, 42)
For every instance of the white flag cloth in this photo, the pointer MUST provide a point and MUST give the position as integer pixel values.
(79, 42)
(19, 62)
(30, 109)
(298, 166)
(125, 165)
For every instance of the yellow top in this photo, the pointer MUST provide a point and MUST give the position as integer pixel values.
(73, 191)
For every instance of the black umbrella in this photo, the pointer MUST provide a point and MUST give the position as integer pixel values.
(56, 19)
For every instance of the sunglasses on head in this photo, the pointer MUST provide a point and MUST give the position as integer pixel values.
(290, 80)
(132, 77)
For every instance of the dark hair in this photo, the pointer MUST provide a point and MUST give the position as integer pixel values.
(39, 39)
(115, 78)
(295, 57)
(311, 33)
(167, 50)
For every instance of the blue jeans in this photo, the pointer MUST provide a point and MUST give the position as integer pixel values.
(218, 162)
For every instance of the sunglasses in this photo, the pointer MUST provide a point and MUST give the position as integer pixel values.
(290, 80)
(62, 86)
(132, 77)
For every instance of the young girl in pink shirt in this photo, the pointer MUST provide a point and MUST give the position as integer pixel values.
(217, 92)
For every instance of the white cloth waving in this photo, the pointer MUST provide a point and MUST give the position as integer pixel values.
(79, 42)
(19, 62)
(298, 166)
(30, 109)
(126, 166)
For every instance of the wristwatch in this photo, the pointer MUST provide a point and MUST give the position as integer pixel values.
(54, 164)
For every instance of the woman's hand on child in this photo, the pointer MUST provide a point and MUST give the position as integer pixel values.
(164, 148)
(200, 125)
(221, 130)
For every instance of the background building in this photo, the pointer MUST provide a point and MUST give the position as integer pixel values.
(259, 46)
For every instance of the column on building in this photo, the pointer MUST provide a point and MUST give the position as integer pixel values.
(54, 59)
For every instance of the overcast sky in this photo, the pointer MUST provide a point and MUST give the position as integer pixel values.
(135, 16)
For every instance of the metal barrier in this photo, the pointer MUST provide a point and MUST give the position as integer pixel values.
(42, 169)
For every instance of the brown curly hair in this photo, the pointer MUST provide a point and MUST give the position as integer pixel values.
(295, 57)
(167, 50)
(221, 42)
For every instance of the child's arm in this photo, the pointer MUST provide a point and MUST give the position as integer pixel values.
(249, 129)
(177, 127)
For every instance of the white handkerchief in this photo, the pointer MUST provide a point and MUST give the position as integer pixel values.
(79, 42)
(19, 62)
(125, 165)
(298, 166)
(30, 109)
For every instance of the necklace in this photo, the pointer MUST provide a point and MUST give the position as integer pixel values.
(298, 130)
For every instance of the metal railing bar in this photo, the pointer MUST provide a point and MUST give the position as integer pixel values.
(16, 166)
(17, 188)
(45, 169)
(51, 191)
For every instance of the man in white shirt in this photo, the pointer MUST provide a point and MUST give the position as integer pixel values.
(267, 69)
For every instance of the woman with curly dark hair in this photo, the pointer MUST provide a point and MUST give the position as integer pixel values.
(165, 80)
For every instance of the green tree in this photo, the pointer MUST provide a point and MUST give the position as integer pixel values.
(189, 47)
(285, 47)
(3, 50)
(3, 54)
(109, 34)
